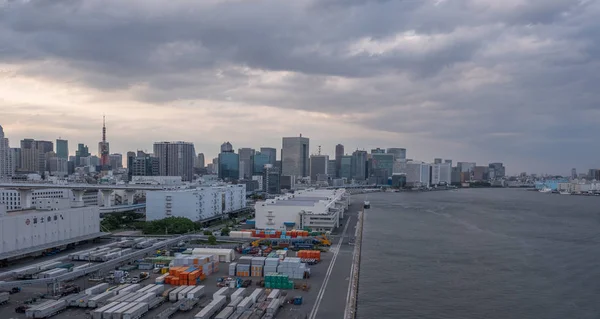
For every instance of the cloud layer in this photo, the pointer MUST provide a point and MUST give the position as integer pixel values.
(478, 80)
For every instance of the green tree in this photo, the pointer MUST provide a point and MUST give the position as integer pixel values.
(207, 232)
(225, 231)
(212, 240)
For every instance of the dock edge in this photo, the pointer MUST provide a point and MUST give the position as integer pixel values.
(351, 308)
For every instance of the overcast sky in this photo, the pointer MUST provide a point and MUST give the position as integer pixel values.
(514, 81)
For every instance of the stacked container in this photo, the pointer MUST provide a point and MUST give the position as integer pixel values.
(309, 254)
(257, 266)
(293, 267)
(278, 281)
(215, 306)
(243, 270)
(232, 269)
(271, 265)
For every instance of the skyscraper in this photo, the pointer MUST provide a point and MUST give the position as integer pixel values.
(339, 152)
(359, 165)
(272, 152)
(378, 151)
(62, 149)
(116, 161)
(399, 153)
(246, 155)
(175, 159)
(259, 161)
(6, 158)
(437, 161)
(199, 161)
(573, 173)
(82, 151)
(318, 166)
(228, 163)
(294, 156)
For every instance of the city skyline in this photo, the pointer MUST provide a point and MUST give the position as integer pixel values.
(331, 154)
(470, 80)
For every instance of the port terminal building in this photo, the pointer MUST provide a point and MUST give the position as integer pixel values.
(317, 209)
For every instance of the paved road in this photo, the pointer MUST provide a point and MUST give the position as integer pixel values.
(335, 294)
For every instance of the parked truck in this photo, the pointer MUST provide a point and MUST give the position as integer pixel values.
(49, 310)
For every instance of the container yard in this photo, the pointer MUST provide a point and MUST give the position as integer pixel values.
(185, 282)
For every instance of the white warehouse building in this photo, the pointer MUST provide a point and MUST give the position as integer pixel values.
(318, 209)
(12, 199)
(28, 231)
(198, 204)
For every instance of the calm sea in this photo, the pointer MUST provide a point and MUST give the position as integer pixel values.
(480, 253)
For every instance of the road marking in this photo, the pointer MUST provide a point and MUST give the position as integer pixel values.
(315, 309)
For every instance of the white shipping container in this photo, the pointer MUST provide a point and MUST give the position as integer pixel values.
(99, 288)
(119, 312)
(220, 292)
(183, 293)
(136, 311)
(95, 300)
(225, 313)
(256, 294)
(245, 304)
(173, 294)
(156, 289)
(275, 293)
(145, 298)
(212, 308)
(240, 292)
(108, 313)
(132, 287)
(236, 301)
(197, 292)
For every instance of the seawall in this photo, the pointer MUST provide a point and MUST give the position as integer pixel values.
(351, 308)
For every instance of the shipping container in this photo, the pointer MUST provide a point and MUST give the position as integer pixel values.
(50, 309)
(97, 289)
(136, 312)
(182, 294)
(225, 313)
(240, 292)
(4, 297)
(97, 314)
(197, 292)
(95, 301)
(132, 287)
(174, 293)
(156, 289)
(221, 292)
(117, 314)
(215, 306)
(108, 313)
(245, 304)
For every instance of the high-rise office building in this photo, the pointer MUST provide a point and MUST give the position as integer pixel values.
(294, 156)
(33, 155)
(259, 161)
(271, 180)
(437, 161)
(448, 161)
(331, 168)
(6, 157)
(144, 165)
(229, 166)
(359, 163)
(497, 170)
(199, 163)
(399, 153)
(246, 155)
(116, 160)
(339, 152)
(82, 151)
(62, 148)
(378, 151)
(573, 173)
(382, 165)
(226, 147)
(16, 158)
(175, 159)
(318, 166)
(346, 167)
(271, 152)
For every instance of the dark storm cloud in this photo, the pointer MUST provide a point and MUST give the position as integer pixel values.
(500, 76)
